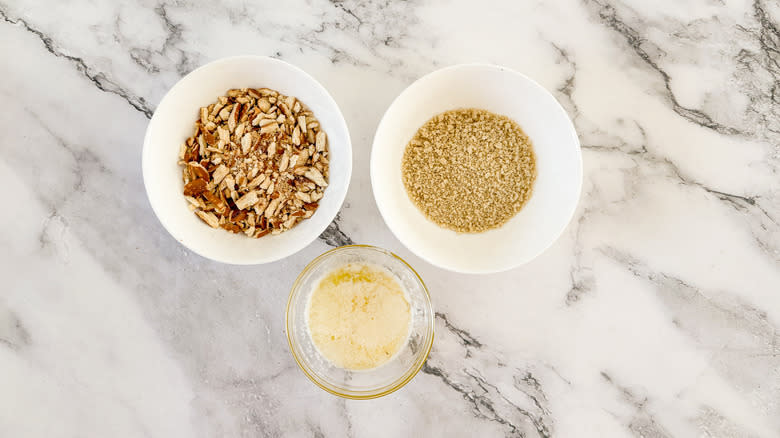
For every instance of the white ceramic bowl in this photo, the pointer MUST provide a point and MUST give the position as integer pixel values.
(558, 160)
(173, 122)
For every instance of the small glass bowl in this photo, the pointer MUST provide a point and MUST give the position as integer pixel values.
(375, 382)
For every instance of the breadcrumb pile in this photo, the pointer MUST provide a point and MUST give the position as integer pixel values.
(469, 170)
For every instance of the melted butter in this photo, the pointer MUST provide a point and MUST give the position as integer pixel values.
(358, 316)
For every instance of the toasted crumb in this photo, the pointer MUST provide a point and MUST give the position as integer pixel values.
(469, 170)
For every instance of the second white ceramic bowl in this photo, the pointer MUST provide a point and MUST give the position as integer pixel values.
(173, 122)
(558, 160)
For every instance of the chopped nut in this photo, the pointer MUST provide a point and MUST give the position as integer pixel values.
(270, 128)
(265, 183)
(214, 111)
(296, 136)
(233, 118)
(195, 188)
(269, 211)
(305, 197)
(241, 166)
(233, 228)
(315, 175)
(256, 181)
(210, 139)
(208, 218)
(267, 92)
(321, 141)
(216, 201)
(303, 156)
(201, 145)
(219, 173)
(229, 183)
(198, 171)
(246, 143)
(237, 216)
(224, 134)
(285, 109)
(224, 114)
(289, 101)
(261, 205)
(240, 130)
(247, 200)
(283, 162)
(266, 121)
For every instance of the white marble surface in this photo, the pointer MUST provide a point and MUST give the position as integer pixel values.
(655, 315)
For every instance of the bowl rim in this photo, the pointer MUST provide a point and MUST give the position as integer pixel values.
(291, 249)
(446, 266)
(395, 386)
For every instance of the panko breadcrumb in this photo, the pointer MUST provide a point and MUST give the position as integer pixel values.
(469, 170)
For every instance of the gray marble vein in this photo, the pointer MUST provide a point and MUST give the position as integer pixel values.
(99, 79)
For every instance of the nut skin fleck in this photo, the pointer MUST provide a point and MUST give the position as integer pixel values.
(195, 187)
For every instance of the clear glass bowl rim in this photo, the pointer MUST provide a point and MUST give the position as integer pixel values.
(407, 377)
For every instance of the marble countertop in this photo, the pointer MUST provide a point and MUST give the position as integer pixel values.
(656, 314)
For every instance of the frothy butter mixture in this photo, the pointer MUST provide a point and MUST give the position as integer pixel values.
(358, 316)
